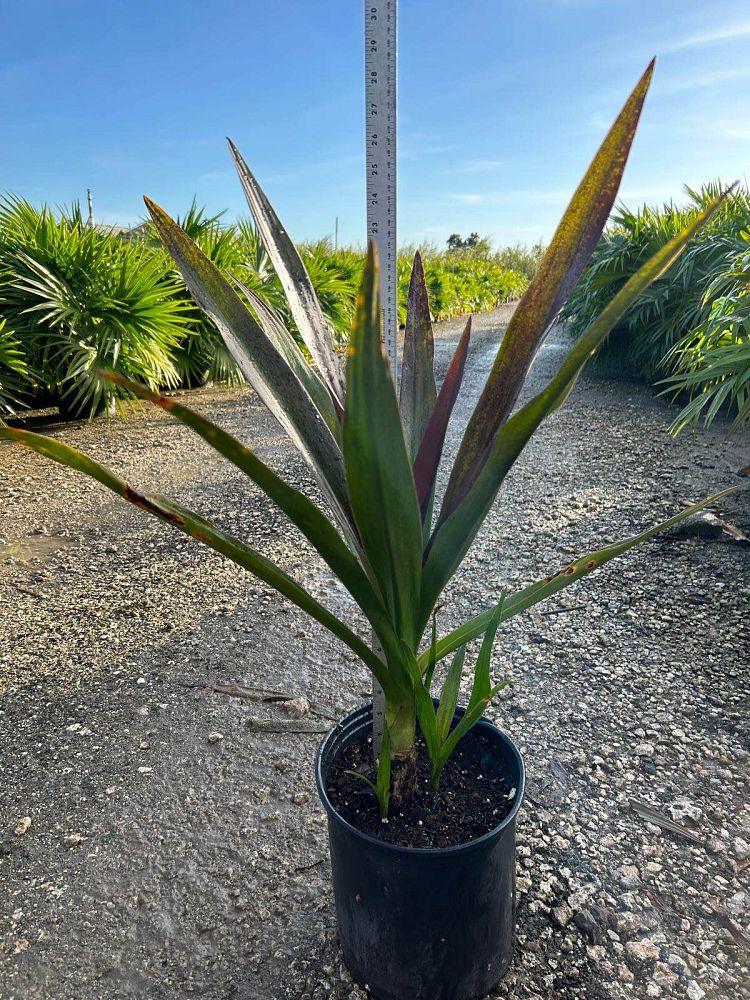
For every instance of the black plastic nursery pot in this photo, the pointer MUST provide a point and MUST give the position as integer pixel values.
(423, 923)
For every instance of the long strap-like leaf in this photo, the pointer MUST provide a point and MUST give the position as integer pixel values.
(454, 535)
(300, 510)
(203, 531)
(261, 364)
(285, 344)
(568, 253)
(378, 470)
(536, 592)
(294, 279)
(417, 390)
(428, 457)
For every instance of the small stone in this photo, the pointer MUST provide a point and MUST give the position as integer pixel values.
(643, 951)
(561, 915)
(74, 839)
(586, 922)
(141, 681)
(664, 976)
(23, 825)
(215, 737)
(144, 745)
(737, 904)
(644, 750)
(741, 848)
(298, 708)
(682, 810)
(693, 991)
(300, 798)
(145, 770)
(630, 876)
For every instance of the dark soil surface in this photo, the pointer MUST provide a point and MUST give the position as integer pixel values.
(169, 846)
(476, 794)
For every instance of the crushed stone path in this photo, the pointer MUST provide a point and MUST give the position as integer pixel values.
(175, 851)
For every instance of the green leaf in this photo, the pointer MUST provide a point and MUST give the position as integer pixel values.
(454, 535)
(286, 345)
(539, 591)
(449, 695)
(468, 720)
(381, 787)
(431, 665)
(301, 511)
(261, 364)
(427, 462)
(568, 253)
(203, 531)
(294, 279)
(417, 388)
(378, 472)
(482, 685)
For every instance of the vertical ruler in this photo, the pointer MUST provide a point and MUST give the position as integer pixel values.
(380, 164)
(380, 157)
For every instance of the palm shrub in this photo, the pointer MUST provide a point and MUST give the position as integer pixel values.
(711, 365)
(14, 372)
(376, 454)
(80, 300)
(201, 355)
(642, 342)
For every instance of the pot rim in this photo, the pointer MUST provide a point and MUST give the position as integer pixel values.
(366, 709)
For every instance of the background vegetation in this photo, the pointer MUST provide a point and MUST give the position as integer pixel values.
(690, 331)
(76, 299)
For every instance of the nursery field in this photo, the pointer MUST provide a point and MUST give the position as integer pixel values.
(76, 299)
(177, 846)
(689, 333)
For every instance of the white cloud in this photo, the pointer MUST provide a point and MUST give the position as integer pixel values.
(703, 81)
(469, 198)
(713, 36)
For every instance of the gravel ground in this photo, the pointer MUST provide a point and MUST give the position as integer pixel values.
(174, 850)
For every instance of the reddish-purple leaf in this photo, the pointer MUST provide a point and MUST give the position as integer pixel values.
(417, 391)
(570, 249)
(431, 448)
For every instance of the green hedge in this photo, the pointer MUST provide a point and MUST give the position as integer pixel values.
(76, 299)
(689, 331)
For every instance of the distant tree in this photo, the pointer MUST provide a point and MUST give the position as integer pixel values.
(474, 245)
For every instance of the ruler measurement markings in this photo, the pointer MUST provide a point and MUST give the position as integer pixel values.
(380, 167)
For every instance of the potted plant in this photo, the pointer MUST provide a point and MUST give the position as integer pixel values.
(422, 869)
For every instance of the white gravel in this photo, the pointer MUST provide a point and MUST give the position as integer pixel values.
(169, 850)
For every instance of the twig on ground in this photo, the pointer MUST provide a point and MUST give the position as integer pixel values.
(723, 919)
(256, 694)
(306, 868)
(561, 611)
(659, 819)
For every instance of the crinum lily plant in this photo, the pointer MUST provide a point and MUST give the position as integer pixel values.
(376, 455)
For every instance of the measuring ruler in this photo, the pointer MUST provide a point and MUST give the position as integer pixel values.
(380, 164)
(380, 158)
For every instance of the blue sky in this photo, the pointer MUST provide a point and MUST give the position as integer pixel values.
(501, 106)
